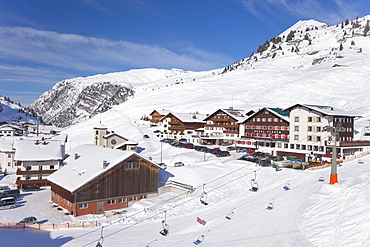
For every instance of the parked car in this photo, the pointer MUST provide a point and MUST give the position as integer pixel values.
(156, 131)
(177, 164)
(183, 140)
(28, 220)
(222, 154)
(7, 193)
(7, 203)
(215, 151)
(265, 162)
(146, 136)
(189, 146)
(231, 148)
(32, 188)
(4, 188)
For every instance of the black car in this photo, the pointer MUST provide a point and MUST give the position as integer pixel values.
(223, 154)
(146, 137)
(32, 188)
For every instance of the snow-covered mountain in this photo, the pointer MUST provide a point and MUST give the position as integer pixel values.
(310, 62)
(14, 112)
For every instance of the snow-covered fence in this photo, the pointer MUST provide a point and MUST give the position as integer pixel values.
(357, 155)
(10, 225)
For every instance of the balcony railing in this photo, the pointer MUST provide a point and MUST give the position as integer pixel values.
(34, 172)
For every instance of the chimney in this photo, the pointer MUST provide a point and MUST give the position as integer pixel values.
(76, 156)
(37, 142)
(194, 117)
(105, 164)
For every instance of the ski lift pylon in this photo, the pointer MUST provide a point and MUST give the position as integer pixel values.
(166, 228)
(254, 184)
(101, 239)
(203, 197)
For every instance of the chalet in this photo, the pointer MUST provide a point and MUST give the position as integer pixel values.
(183, 125)
(307, 133)
(96, 179)
(157, 115)
(6, 131)
(36, 161)
(222, 125)
(105, 138)
(268, 127)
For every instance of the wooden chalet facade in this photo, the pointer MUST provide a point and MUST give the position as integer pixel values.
(268, 127)
(222, 126)
(157, 115)
(111, 179)
(182, 125)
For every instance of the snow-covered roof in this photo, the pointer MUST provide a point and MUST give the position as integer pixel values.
(30, 151)
(189, 117)
(89, 165)
(326, 110)
(6, 129)
(100, 126)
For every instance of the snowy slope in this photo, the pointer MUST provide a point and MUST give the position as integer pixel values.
(12, 112)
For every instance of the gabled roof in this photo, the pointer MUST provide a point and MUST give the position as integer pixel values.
(187, 117)
(43, 151)
(89, 165)
(278, 112)
(325, 110)
(236, 114)
(161, 112)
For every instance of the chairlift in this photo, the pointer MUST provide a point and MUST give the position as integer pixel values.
(203, 198)
(166, 228)
(101, 239)
(360, 161)
(230, 215)
(322, 178)
(270, 206)
(254, 184)
(287, 186)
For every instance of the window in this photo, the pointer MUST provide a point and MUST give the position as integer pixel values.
(96, 181)
(83, 206)
(309, 147)
(318, 129)
(96, 191)
(40, 168)
(143, 197)
(28, 177)
(298, 146)
(28, 168)
(296, 128)
(309, 138)
(296, 137)
(133, 198)
(111, 202)
(309, 128)
(296, 119)
(51, 167)
(122, 200)
(318, 119)
(9, 155)
(303, 147)
(291, 146)
(318, 138)
(309, 119)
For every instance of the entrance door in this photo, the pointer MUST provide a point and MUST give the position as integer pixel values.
(100, 207)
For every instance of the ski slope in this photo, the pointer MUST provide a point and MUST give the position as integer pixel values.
(310, 213)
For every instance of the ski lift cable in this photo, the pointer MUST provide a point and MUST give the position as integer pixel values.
(182, 203)
(136, 223)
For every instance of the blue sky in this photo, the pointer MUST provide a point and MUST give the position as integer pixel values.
(45, 41)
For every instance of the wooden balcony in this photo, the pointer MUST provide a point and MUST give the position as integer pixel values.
(35, 172)
(25, 183)
(354, 143)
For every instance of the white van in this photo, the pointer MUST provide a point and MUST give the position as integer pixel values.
(7, 203)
